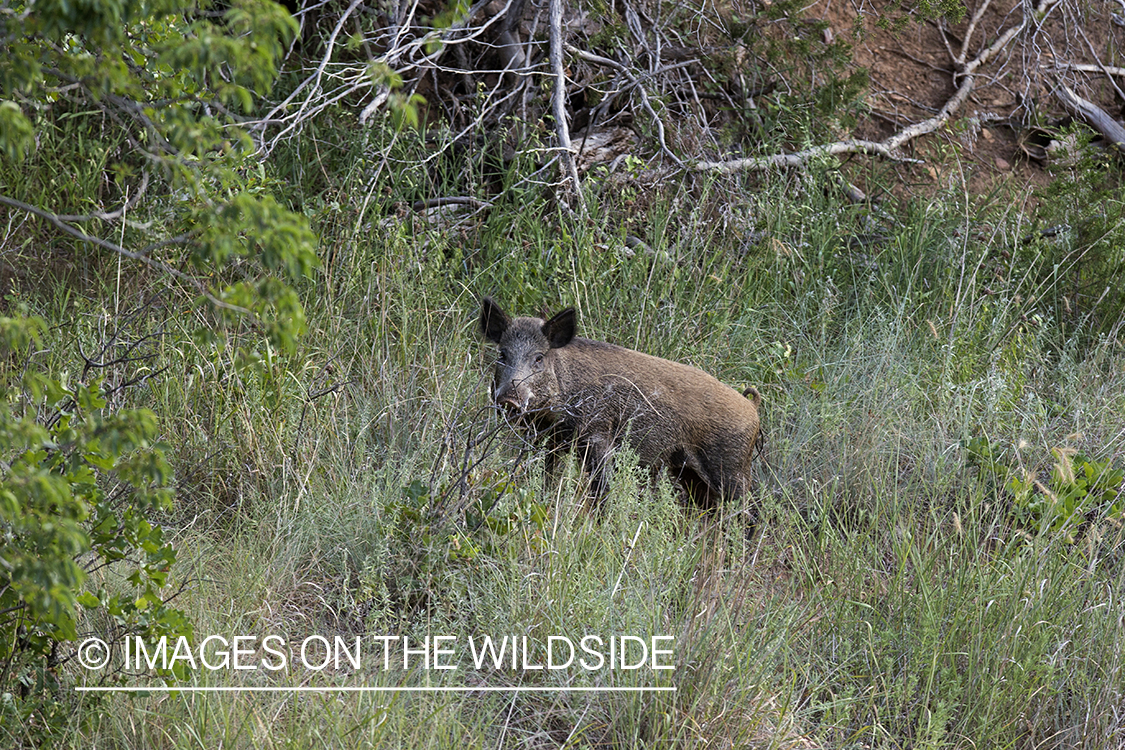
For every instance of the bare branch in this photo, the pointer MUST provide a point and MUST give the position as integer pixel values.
(981, 10)
(141, 256)
(634, 82)
(801, 158)
(888, 148)
(313, 80)
(1093, 115)
(112, 215)
(453, 200)
(1109, 70)
(1094, 53)
(558, 101)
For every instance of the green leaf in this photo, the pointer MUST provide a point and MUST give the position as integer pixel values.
(17, 136)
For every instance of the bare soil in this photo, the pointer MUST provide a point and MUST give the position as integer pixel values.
(1002, 131)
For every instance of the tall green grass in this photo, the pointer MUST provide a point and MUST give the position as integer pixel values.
(890, 599)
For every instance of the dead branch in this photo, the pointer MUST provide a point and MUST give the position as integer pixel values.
(453, 200)
(1109, 70)
(887, 148)
(142, 256)
(634, 82)
(508, 40)
(558, 100)
(410, 54)
(313, 82)
(801, 158)
(1094, 53)
(979, 14)
(1092, 115)
(130, 202)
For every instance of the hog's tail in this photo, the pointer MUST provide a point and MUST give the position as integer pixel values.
(759, 439)
(752, 394)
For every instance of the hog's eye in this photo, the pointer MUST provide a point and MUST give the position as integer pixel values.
(538, 359)
(501, 358)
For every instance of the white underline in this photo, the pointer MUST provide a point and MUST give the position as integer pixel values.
(338, 689)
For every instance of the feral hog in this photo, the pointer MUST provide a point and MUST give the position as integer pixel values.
(596, 395)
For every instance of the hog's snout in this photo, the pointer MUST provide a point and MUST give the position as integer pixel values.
(508, 396)
(510, 403)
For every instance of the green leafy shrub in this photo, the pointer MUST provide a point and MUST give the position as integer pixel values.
(122, 131)
(431, 533)
(1074, 254)
(79, 484)
(1079, 492)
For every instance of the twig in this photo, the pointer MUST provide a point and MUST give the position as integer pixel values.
(1094, 53)
(635, 82)
(310, 397)
(507, 41)
(112, 215)
(625, 563)
(945, 33)
(316, 76)
(453, 200)
(400, 56)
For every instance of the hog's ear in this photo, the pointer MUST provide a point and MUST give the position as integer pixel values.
(560, 329)
(493, 321)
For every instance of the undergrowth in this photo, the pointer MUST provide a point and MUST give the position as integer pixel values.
(897, 595)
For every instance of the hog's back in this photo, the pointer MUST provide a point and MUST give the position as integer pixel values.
(663, 408)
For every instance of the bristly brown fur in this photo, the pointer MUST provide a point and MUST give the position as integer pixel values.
(598, 396)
